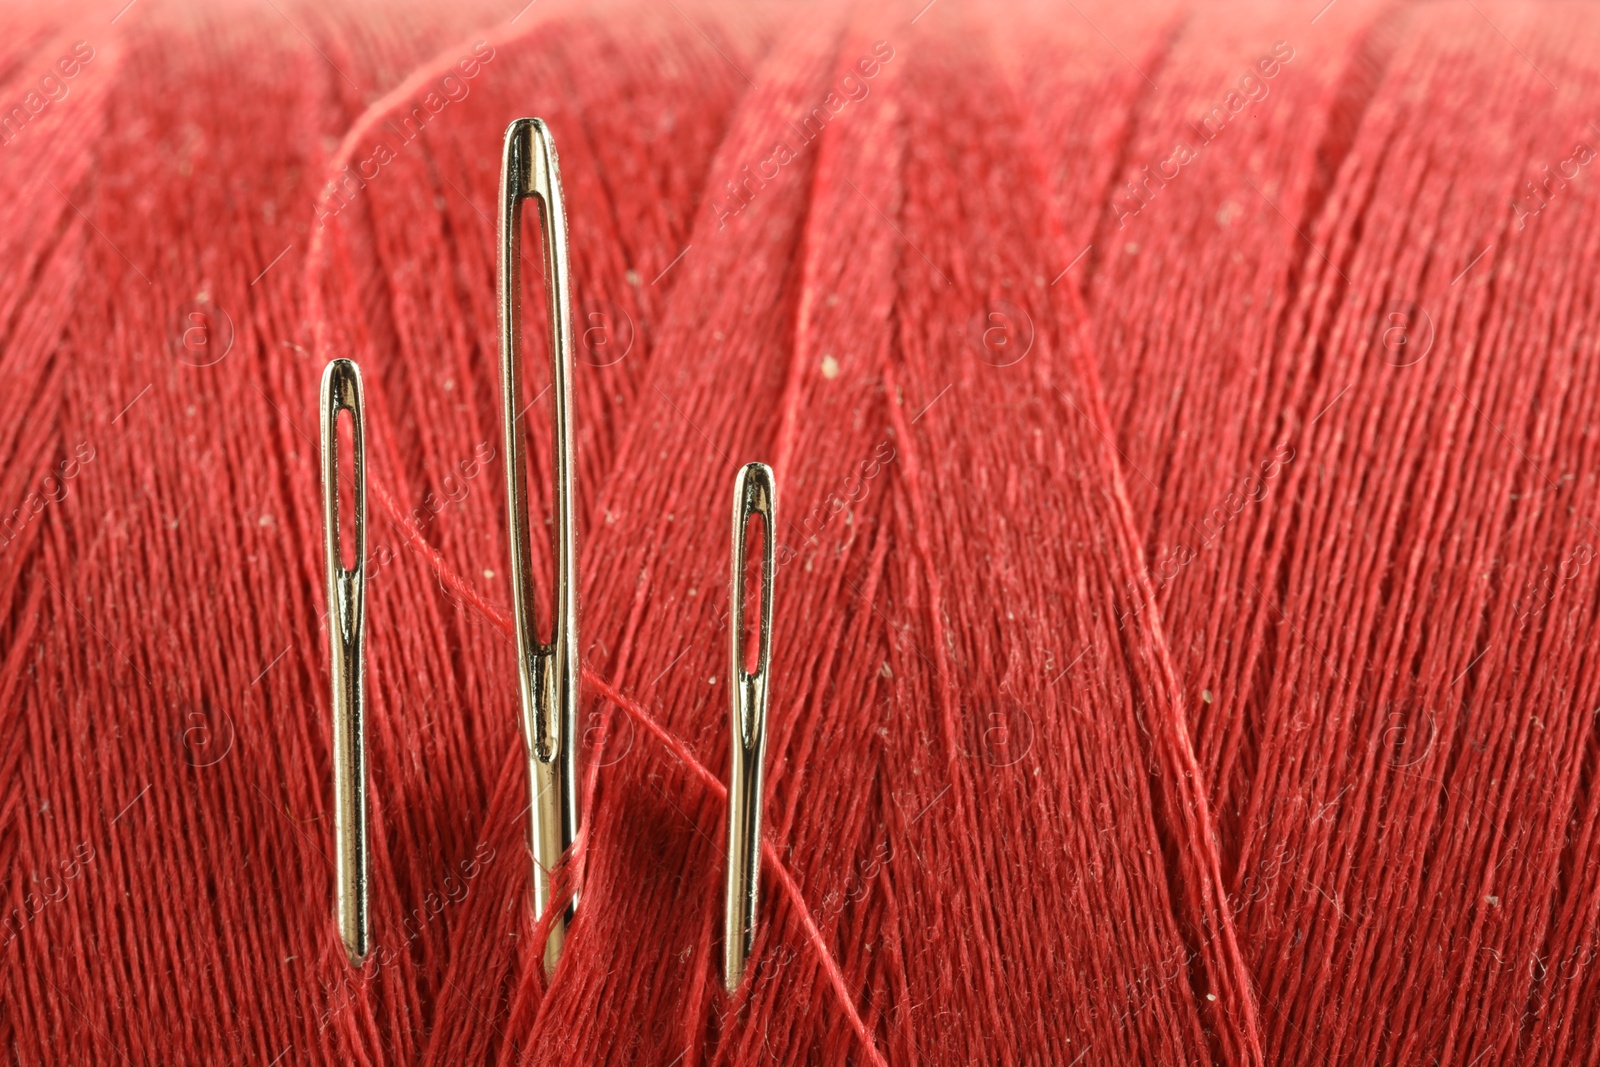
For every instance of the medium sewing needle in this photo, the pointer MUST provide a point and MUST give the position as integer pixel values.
(347, 609)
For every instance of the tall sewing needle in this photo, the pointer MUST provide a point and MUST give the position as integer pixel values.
(548, 673)
(347, 609)
(753, 494)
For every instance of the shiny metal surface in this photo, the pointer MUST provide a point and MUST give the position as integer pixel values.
(753, 494)
(347, 608)
(548, 673)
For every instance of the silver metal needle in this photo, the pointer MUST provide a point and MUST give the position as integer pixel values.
(548, 673)
(753, 494)
(347, 609)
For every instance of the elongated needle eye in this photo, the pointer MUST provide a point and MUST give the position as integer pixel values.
(754, 494)
(347, 607)
(548, 675)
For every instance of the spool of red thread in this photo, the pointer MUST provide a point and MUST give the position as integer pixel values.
(1183, 415)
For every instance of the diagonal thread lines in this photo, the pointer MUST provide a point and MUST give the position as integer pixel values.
(447, 575)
